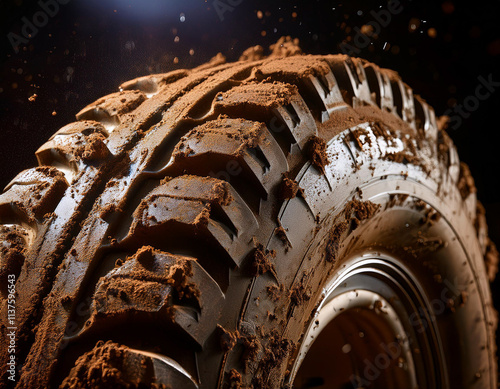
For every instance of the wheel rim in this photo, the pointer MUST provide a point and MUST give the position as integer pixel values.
(366, 333)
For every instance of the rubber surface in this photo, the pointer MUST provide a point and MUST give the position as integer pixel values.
(144, 239)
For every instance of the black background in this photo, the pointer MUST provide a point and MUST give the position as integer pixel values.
(89, 47)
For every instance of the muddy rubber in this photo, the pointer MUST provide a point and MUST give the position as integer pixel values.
(180, 233)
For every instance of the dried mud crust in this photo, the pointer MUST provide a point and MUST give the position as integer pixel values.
(150, 210)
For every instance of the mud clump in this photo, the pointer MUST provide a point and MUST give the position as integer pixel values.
(465, 183)
(276, 352)
(316, 151)
(95, 149)
(355, 212)
(149, 281)
(251, 348)
(300, 293)
(491, 260)
(255, 95)
(179, 277)
(110, 365)
(284, 47)
(12, 254)
(280, 232)
(203, 217)
(333, 245)
(253, 53)
(275, 292)
(261, 263)
(289, 188)
(228, 339)
(235, 379)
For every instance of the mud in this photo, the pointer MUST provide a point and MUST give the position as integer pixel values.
(281, 234)
(118, 103)
(316, 151)
(491, 260)
(262, 261)
(256, 95)
(300, 293)
(94, 149)
(12, 254)
(289, 188)
(235, 379)
(246, 132)
(465, 183)
(355, 212)
(276, 351)
(110, 365)
(275, 292)
(228, 339)
(149, 280)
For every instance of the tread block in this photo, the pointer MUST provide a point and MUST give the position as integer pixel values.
(403, 98)
(329, 92)
(32, 194)
(218, 193)
(425, 120)
(454, 161)
(350, 74)
(481, 227)
(248, 143)
(206, 207)
(116, 366)
(491, 258)
(281, 98)
(292, 69)
(172, 287)
(80, 141)
(149, 85)
(467, 189)
(313, 77)
(380, 84)
(111, 108)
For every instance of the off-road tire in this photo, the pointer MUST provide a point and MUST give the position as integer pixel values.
(182, 232)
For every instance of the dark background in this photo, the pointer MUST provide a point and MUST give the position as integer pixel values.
(89, 47)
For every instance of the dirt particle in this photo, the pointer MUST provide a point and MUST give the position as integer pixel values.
(465, 183)
(300, 293)
(228, 339)
(288, 188)
(111, 365)
(355, 212)
(462, 298)
(276, 352)
(281, 234)
(316, 151)
(261, 263)
(491, 260)
(235, 379)
(333, 245)
(275, 292)
(203, 217)
(251, 348)
(145, 256)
